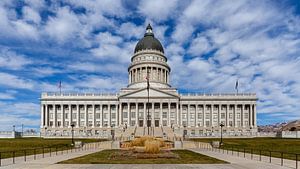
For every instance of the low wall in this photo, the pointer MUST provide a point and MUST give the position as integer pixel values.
(290, 134)
(10, 134)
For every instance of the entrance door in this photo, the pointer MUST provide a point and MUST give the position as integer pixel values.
(156, 123)
(141, 123)
(148, 123)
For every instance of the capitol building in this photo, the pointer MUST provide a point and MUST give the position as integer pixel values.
(149, 105)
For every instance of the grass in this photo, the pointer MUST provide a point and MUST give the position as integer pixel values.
(29, 144)
(103, 157)
(290, 147)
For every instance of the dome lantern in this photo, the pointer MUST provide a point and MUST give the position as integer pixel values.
(149, 42)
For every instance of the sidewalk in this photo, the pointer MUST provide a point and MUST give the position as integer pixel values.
(241, 162)
(45, 162)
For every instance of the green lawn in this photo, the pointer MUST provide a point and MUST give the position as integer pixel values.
(264, 144)
(29, 144)
(104, 157)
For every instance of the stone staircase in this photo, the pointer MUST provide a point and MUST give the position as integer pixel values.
(127, 134)
(169, 133)
(158, 132)
(140, 131)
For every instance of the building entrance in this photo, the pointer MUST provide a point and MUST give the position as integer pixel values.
(141, 123)
(156, 123)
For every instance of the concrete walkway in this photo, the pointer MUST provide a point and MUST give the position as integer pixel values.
(235, 163)
(47, 161)
(240, 162)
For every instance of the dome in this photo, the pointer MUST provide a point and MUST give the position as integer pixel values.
(149, 42)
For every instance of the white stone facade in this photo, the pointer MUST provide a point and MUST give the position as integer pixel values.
(195, 115)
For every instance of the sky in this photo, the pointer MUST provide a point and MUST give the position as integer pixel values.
(87, 45)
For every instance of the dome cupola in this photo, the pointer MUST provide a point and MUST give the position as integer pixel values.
(149, 42)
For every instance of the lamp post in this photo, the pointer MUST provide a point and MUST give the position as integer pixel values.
(221, 125)
(45, 132)
(14, 128)
(72, 125)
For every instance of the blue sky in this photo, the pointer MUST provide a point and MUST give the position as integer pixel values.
(209, 44)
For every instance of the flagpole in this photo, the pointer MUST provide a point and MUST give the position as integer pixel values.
(59, 85)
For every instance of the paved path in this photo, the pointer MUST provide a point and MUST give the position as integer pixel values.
(235, 163)
(45, 162)
(240, 162)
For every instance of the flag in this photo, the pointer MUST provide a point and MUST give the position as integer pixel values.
(59, 86)
(236, 86)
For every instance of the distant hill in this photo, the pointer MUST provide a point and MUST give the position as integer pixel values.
(284, 126)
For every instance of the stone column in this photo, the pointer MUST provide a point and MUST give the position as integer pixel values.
(219, 114)
(196, 115)
(128, 114)
(46, 115)
(78, 115)
(177, 114)
(109, 115)
(94, 116)
(86, 115)
(227, 115)
(169, 116)
(42, 116)
(152, 115)
(204, 114)
(161, 113)
(250, 116)
(117, 114)
(101, 115)
(254, 116)
(180, 114)
(70, 115)
(242, 116)
(234, 115)
(188, 115)
(62, 121)
(145, 114)
(211, 114)
(136, 114)
(120, 114)
(54, 116)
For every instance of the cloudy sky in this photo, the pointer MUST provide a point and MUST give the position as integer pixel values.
(88, 45)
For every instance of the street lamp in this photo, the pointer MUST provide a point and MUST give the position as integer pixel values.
(72, 125)
(14, 128)
(45, 132)
(221, 125)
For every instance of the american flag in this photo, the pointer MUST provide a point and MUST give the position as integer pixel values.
(237, 85)
(59, 86)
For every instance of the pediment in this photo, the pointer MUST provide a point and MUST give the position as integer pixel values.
(143, 93)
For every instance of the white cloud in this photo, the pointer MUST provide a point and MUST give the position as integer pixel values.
(199, 46)
(103, 83)
(13, 81)
(7, 95)
(157, 10)
(31, 15)
(18, 113)
(130, 30)
(64, 27)
(11, 60)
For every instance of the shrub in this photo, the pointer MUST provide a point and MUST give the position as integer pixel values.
(152, 146)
